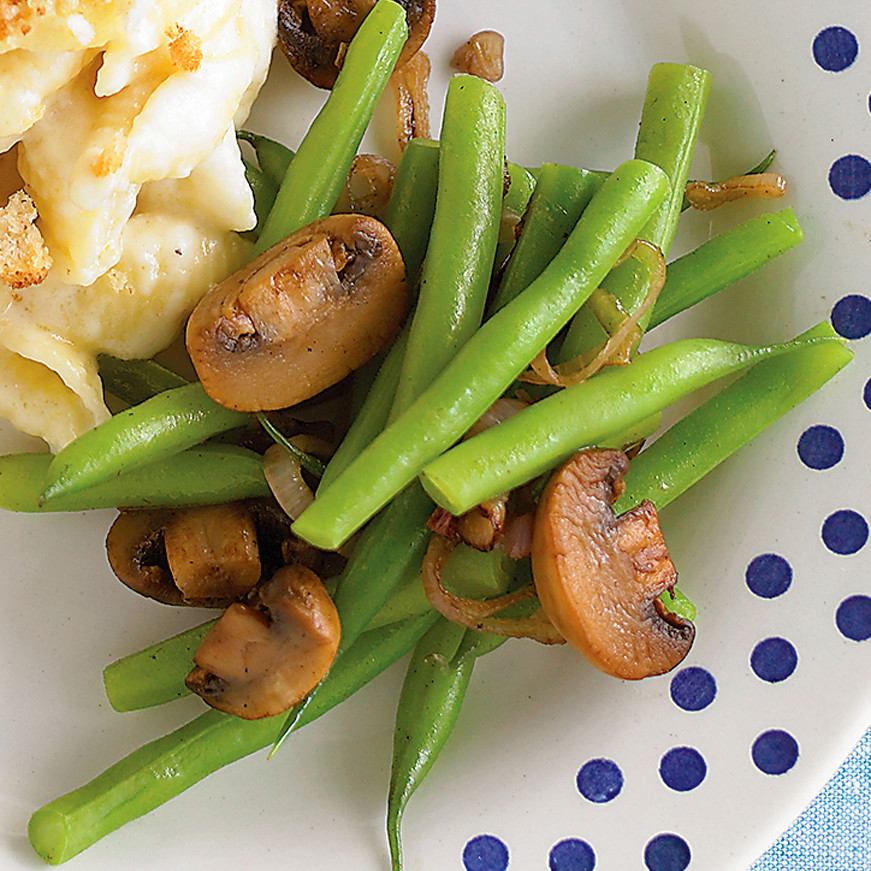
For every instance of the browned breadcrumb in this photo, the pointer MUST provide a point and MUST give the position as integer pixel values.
(111, 158)
(24, 258)
(185, 48)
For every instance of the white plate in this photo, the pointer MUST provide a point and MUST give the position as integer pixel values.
(575, 77)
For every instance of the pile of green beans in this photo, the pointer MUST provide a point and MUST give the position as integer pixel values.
(400, 456)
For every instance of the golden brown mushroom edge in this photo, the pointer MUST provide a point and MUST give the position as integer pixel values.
(599, 576)
(301, 316)
(267, 654)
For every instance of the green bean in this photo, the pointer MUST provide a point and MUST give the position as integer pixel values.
(153, 430)
(670, 119)
(134, 381)
(273, 157)
(156, 674)
(548, 432)
(198, 476)
(560, 196)
(263, 189)
(411, 208)
(455, 276)
(318, 171)
(162, 769)
(490, 361)
(429, 704)
(705, 437)
(724, 259)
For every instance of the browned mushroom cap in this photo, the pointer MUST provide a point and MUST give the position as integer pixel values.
(301, 317)
(599, 576)
(314, 34)
(261, 658)
(207, 556)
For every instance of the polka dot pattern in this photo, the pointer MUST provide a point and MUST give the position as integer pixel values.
(682, 769)
(485, 853)
(667, 853)
(600, 780)
(769, 575)
(821, 447)
(572, 854)
(851, 316)
(775, 752)
(693, 688)
(845, 532)
(773, 660)
(850, 177)
(853, 618)
(835, 48)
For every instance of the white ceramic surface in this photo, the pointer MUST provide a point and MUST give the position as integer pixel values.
(575, 78)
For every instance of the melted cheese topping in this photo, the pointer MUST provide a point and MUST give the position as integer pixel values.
(123, 114)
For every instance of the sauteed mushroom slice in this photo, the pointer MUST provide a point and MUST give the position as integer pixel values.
(301, 317)
(207, 556)
(314, 34)
(264, 656)
(599, 576)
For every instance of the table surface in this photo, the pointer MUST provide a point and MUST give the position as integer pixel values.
(834, 832)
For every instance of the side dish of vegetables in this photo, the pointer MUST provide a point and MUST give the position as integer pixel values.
(419, 426)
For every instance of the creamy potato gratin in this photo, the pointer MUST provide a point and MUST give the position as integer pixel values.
(123, 184)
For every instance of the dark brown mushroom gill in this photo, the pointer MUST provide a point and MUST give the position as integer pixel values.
(314, 34)
(300, 317)
(207, 556)
(265, 655)
(599, 576)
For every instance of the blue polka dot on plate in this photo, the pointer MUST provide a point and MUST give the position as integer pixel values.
(600, 780)
(693, 688)
(682, 768)
(845, 532)
(485, 853)
(853, 618)
(773, 660)
(768, 575)
(866, 394)
(835, 48)
(851, 316)
(850, 177)
(775, 752)
(821, 447)
(572, 854)
(667, 852)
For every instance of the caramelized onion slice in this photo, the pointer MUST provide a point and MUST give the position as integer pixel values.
(481, 55)
(711, 195)
(409, 83)
(475, 614)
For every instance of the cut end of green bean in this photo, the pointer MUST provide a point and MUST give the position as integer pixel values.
(49, 835)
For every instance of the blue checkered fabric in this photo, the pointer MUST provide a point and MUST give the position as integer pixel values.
(834, 833)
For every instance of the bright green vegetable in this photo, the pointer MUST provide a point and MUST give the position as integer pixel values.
(317, 172)
(134, 381)
(455, 276)
(543, 435)
(263, 189)
(411, 208)
(705, 437)
(556, 204)
(520, 187)
(724, 259)
(166, 767)
(490, 361)
(198, 476)
(273, 158)
(151, 431)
